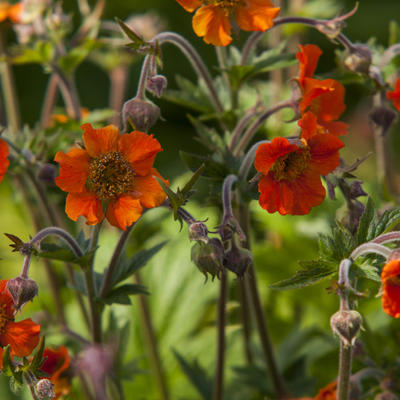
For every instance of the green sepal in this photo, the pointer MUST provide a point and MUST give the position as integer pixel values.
(37, 360)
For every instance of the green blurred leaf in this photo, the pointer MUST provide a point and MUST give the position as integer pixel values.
(120, 294)
(60, 253)
(213, 169)
(207, 136)
(8, 369)
(37, 360)
(42, 53)
(137, 40)
(70, 61)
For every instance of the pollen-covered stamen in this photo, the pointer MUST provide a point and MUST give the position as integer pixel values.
(4, 317)
(110, 175)
(228, 5)
(291, 166)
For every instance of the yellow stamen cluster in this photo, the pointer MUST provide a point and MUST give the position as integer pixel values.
(228, 5)
(110, 175)
(290, 166)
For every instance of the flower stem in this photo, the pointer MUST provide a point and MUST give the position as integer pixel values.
(368, 248)
(151, 340)
(8, 85)
(219, 374)
(345, 361)
(144, 73)
(49, 101)
(194, 59)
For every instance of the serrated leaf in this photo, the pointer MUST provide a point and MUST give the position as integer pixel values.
(135, 37)
(366, 221)
(213, 169)
(384, 224)
(127, 267)
(207, 136)
(368, 271)
(196, 375)
(315, 271)
(120, 294)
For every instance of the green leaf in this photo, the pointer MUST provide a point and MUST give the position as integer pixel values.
(135, 37)
(8, 369)
(239, 73)
(275, 62)
(42, 53)
(37, 360)
(213, 169)
(314, 272)
(80, 284)
(61, 253)
(120, 294)
(366, 221)
(70, 61)
(127, 267)
(368, 271)
(385, 223)
(196, 375)
(207, 136)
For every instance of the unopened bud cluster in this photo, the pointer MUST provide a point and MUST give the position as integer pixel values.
(44, 389)
(142, 113)
(346, 324)
(22, 290)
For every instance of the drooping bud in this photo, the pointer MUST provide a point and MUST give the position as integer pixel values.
(22, 290)
(47, 173)
(208, 257)
(141, 112)
(383, 117)
(359, 60)
(198, 231)
(346, 324)
(156, 84)
(237, 260)
(44, 389)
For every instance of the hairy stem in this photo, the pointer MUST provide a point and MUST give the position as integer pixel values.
(345, 361)
(221, 321)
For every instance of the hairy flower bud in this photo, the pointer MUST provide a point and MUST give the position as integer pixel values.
(346, 324)
(143, 114)
(47, 173)
(44, 389)
(359, 60)
(208, 257)
(237, 260)
(198, 231)
(22, 290)
(383, 117)
(156, 84)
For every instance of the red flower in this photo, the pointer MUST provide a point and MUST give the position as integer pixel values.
(56, 365)
(391, 288)
(10, 12)
(329, 392)
(212, 20)
(324, 98)
(4, 151)
(395, 95)
(291, 171)
(114, 169)
(22, 336)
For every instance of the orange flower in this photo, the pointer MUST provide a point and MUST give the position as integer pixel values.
(10, 12)
(328, 392)
(113, 168)
(323, 98)
(395, 95)
(212, 18)
(391, 288)
(4, 151)
(56, 365)
(291, 170)
(22, 336)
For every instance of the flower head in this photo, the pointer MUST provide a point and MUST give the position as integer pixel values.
(56, 364)
(114, 169)
(395, 95)
(22, 336)
(324, 98)
(391, 288)
(212, 18)
(291, 170)
(4, 151)
(11, 12)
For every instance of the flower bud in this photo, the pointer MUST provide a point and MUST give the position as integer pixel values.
(143, 114)
(346, 324)
(208, 257)
(359, 59)
(22, 290)
(156, 84)
(238, 260)
(198, 231)
(47, 173)
(383, 117)
(44, 389)
(356, 190)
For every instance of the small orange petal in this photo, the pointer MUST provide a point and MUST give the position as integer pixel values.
(22, 336)
(394, 96)
(74, 167)
(308, 57)
(212, 24)
(84, 204)
(124, 211)
(149, 190)
(190, 5)
(256, 15)
(100, 141)
(140, 150)
(308, 124)
(328, 392)
(4, 163)
(15, 13)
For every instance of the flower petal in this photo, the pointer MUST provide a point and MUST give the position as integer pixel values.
(308, 57)
(308, 124)
(6, 300)
(149, 190)
(84, 204)
(4, 163)
(56, 362)
(212, 23)
(268, 153)
(256, 15)
(124, 211)
(324, 153)
(140, 150)
(74, 167)
(394, 96)
(100, 141)
(190, 5)
(22, 336)
(337, 128)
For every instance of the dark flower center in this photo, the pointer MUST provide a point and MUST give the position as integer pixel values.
(292, 165)
(110, 175)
